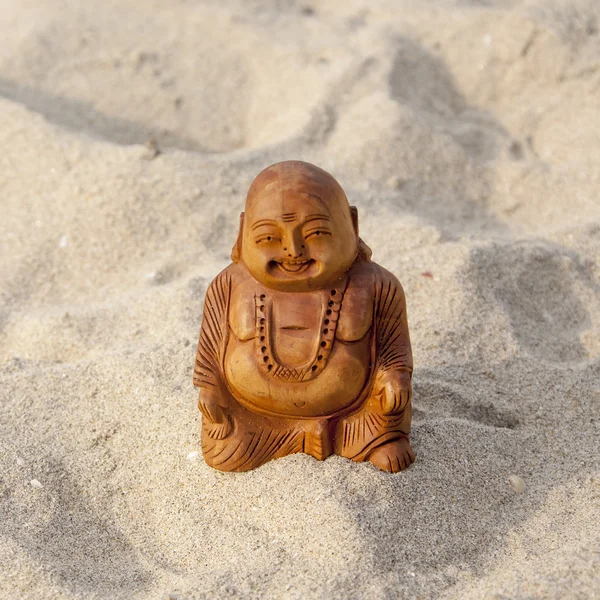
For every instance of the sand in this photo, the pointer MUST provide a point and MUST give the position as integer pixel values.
(468, 135)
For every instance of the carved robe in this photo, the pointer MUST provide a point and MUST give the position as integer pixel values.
(241, 439)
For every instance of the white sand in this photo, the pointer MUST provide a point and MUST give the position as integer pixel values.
(467, 133)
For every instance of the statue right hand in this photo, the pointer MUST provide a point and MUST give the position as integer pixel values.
(395, 391)
(216, 419)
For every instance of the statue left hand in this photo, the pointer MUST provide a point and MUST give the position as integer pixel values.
(394, 389)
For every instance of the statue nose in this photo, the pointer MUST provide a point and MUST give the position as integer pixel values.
(294, 247)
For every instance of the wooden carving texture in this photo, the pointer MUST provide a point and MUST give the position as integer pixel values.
(304, 344)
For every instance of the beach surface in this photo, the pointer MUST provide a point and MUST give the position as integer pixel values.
(467, 133)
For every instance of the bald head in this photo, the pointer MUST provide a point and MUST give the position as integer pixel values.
(300, 177)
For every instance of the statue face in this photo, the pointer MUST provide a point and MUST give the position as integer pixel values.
(296, 240)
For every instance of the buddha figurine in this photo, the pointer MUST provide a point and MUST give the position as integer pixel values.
(304, 344)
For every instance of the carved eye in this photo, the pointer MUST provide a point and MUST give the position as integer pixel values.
(317, 233)
(265, 239)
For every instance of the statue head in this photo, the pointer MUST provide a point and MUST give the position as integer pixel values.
(298, 231)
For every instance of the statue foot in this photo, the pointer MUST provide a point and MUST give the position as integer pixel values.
(393, 456)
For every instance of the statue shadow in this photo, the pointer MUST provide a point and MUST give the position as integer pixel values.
(453, 512)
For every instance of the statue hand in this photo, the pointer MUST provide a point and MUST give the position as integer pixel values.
(394, 389)
(216, 419)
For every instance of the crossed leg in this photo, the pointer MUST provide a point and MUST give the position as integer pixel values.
(251, 439)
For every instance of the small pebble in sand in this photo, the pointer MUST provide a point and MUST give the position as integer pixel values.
(152, 149)
(192, 455)
(36, 484)
(516, 484)
(63, 242)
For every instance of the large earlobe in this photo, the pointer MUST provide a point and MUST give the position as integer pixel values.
(364, 252)
(354, 215)
(236, 251)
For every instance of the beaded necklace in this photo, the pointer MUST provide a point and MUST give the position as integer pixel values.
(267, 360)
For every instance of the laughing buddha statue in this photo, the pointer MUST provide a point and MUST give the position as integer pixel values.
(304, 344)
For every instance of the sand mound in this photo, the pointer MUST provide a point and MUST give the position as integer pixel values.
(467, 134)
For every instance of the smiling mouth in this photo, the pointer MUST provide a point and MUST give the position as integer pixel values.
(294, 266)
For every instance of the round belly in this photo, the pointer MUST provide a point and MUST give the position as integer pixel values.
(335, 388)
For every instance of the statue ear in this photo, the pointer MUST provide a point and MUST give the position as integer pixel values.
(236, 251)
(364, 252)
(354, 215)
